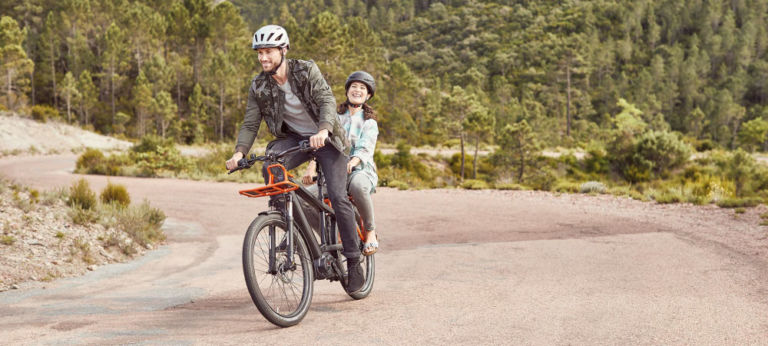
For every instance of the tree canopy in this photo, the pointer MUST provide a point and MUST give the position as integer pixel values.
(181, 68)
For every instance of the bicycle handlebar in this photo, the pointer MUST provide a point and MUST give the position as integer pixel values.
(248, 162)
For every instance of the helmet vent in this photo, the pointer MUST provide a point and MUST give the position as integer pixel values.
(270, 36)
(278, 37)
(262, 37)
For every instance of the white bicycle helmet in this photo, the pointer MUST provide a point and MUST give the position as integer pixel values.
(271, 36)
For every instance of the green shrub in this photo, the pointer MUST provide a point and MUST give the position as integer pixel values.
(381, 160)
(669, 196)
(400, 185)
(740, 169)
(43, 113)
(91, 162)
(151, 144)
(744, 202)
(81, 195)
(34, 196)
(596, 161)
(509, 186)
(705, 145)
(764, 216)
(150, 164)
(474, 184)
(402, 158)
(455, 164)
(543, 179)
(117, 194)
(566, 186)
(142, 223)
(740, 210)
(7, 240)
(81, 216)
(652, 153)
(592, 187)
(626, 191)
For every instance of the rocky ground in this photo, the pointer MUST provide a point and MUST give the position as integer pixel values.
(24, 135)
(40, 242)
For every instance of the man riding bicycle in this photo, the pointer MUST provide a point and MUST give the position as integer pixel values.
(295, 101)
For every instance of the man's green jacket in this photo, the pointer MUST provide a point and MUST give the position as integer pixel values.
(266, 101)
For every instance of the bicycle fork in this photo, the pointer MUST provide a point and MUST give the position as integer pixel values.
(275, 266)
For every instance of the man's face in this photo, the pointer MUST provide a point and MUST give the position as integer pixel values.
(269, 58)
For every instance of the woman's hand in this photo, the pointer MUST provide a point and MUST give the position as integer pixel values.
(309, 174)
(352, 163)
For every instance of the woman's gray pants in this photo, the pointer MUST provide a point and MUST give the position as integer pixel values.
(360, 188)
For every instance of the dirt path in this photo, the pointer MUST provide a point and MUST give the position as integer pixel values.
(465, 267)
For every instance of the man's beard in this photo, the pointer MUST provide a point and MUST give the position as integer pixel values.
(274, 70)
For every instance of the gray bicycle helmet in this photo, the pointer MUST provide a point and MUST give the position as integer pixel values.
(362, 77)
(271, 36)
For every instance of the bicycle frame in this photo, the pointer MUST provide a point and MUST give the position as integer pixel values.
(281, 183)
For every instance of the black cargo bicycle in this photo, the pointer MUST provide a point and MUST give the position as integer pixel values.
(282, 256)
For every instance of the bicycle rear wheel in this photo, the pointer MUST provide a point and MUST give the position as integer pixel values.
(368, 262)
(281, 292)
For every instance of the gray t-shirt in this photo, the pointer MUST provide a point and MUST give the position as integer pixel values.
(296, 116)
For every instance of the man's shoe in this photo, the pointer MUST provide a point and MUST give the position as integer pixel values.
(355, 277)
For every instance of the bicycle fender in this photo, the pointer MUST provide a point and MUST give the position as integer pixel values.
(270, 212)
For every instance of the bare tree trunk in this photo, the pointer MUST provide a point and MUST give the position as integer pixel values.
(178, 94)
(33, 87)
(69, 107)
(140, 120)
(53, 77)
(521, 167)
(10, 87)
(568, 95)
(461, 140)
(474, 160)
(221, 113)
(112, 90)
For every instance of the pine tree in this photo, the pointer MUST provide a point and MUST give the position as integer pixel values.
(456, 107)
(518, 148)
(69, 93)
(198, 115)
(165, 111)
(479, 125)
(218, 73)
(15, 67)
(48, 49)
(754, 134)
(88, 97)
(115, 63)
(142, 103)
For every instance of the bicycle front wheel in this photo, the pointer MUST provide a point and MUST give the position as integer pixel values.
(281, 287)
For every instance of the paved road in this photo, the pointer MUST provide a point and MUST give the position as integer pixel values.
(456, 267)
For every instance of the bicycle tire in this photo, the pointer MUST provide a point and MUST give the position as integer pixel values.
(369, 267)
(270, 291)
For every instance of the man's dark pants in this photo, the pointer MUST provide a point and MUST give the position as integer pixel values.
(334, 166)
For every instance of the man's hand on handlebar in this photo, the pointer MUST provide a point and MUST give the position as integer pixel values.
(318, 140)
(232, 163)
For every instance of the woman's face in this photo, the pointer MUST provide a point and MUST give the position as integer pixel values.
(357, 93)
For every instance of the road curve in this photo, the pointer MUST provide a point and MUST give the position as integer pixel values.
(469, 267)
